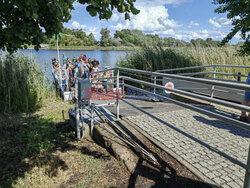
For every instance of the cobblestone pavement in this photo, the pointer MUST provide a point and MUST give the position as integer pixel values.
(224, 137)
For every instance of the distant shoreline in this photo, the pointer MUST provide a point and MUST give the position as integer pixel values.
(91, 48)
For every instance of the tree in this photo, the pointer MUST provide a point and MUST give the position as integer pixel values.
(105, 37)
(92, 40)
(26, 22)
(238, 12)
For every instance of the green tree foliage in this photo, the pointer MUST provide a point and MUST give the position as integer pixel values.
(204, 43)
(74, 37)
(92, 40)
(125, 37)
(238, 11)
(22, 21)
(105, 37)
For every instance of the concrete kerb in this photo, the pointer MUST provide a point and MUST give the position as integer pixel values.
(174, 155)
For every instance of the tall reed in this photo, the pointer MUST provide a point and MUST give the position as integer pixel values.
(220, 55)
(22, 84)
(158, 58)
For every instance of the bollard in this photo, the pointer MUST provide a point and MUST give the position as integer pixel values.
(247, 175)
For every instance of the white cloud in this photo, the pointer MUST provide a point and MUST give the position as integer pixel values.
(150, 3)
(75, 24)
(77, 4)
(220, 22)
(150, 19)
(193, 24)
(114, 17)
(237, 35)
(87, 30)
(203, 34)
(168, 32)
(214, 23)
(225, 22)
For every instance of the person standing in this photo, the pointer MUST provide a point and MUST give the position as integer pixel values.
(96, 62)
(64, 58)
(105, 81)
(84, 57)
(86, 69)
(246, 102)
(90, 65)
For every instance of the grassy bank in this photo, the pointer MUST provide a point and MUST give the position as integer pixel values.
(22, 84)
(91, 48)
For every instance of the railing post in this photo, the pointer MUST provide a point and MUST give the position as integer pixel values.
(78, 130)
(212, 88)
(154, 83)
(239, 77)
(247, 175)
(117, 94)
(123, 90)
(92, 120)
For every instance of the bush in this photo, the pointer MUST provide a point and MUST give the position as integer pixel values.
(22, 84)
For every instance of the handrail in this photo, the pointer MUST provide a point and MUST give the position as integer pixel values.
(209, 99)
(200, 80)
(197, 67)
(219, 73)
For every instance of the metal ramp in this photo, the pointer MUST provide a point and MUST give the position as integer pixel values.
(85, 108)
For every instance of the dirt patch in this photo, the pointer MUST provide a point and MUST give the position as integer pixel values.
(166, 172)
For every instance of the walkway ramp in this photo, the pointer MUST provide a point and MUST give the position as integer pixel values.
(204, 162)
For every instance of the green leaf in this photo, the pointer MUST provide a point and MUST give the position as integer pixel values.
(127, 17)
(92, 11)
(134, 10)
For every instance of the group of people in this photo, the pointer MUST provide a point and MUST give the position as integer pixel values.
(81, 67)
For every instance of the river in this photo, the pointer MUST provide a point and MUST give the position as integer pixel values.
(105, 57)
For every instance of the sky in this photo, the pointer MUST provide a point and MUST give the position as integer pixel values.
(180, 19)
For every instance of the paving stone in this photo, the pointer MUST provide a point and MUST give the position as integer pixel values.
(218, 180)
(224, 137)
(233, 184)
(226, 178)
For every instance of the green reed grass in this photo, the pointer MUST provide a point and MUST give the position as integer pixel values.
(22, 84)
(157, 58)
(222, 56)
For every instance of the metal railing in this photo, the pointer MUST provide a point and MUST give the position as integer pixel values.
(205, 66)
(213, 73)
(119, 77)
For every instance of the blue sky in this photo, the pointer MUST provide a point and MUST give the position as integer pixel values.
(180, 19)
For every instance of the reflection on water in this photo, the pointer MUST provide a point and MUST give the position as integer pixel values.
(106, 58)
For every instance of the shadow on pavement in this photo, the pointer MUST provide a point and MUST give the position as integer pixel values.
(222, 125)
